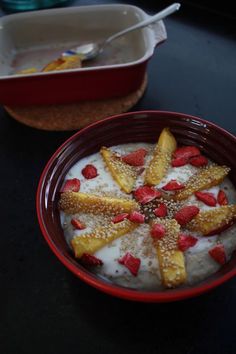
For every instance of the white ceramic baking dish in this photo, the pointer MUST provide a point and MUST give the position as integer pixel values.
(32, 39)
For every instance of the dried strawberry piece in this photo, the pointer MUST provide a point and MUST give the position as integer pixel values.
(186, 241)
(137, 217)
(130, 262)
(186, 152)
(186, 214)
(206, 197)
(222, 198)
(135, 158)
(158, 231)
(77, 224)
(198, 161)
(119, 218)
(140, 170)
(90, 260)
(89, 171)
(179, 161)
(221, 229)
(71, 185)
(173, 185)
(145, 194)
(161, 210)
(218, 254)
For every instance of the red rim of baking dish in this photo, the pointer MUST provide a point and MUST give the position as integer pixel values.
(110, 288)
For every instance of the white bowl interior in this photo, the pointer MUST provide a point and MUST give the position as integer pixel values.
(33, 39)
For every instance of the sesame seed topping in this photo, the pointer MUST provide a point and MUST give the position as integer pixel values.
(102, 204)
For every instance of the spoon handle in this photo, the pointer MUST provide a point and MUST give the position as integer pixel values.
(159, 16)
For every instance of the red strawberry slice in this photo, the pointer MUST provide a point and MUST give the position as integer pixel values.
(137, 217)
(71, 185)
(145, 194)
(77, 224)
(186, 214)
(119, 218)
(218, 254)
(140, 170)
(158, 231)
(179, 161)
(198, 161)
(90, 260)
(161, 210)
(130, 262)
(222, 198)
(173, 185)
(89, 172)
(135, 158)
(206, 197)
(186, 152)
(186, 241)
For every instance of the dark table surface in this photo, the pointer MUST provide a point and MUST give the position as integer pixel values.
(44, 308)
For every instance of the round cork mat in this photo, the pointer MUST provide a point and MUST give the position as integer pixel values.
(76, 115)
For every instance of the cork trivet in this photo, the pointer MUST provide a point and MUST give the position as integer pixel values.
(76, 115)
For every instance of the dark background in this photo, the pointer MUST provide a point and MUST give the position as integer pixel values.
(44, 308)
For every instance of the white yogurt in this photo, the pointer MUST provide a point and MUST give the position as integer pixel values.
(199, 264)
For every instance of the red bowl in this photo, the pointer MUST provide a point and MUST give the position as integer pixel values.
(144, 126)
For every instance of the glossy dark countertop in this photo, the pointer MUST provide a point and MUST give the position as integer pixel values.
(44, 308)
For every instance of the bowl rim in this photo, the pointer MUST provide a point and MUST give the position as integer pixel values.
(98, 283)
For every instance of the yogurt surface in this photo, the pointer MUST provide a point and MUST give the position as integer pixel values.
(199, 265)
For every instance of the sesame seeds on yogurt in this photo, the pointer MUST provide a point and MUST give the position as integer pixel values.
(126, 250)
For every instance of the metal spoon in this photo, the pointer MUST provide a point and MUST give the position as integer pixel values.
(91, 50)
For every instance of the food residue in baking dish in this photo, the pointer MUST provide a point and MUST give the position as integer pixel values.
(34, 60)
